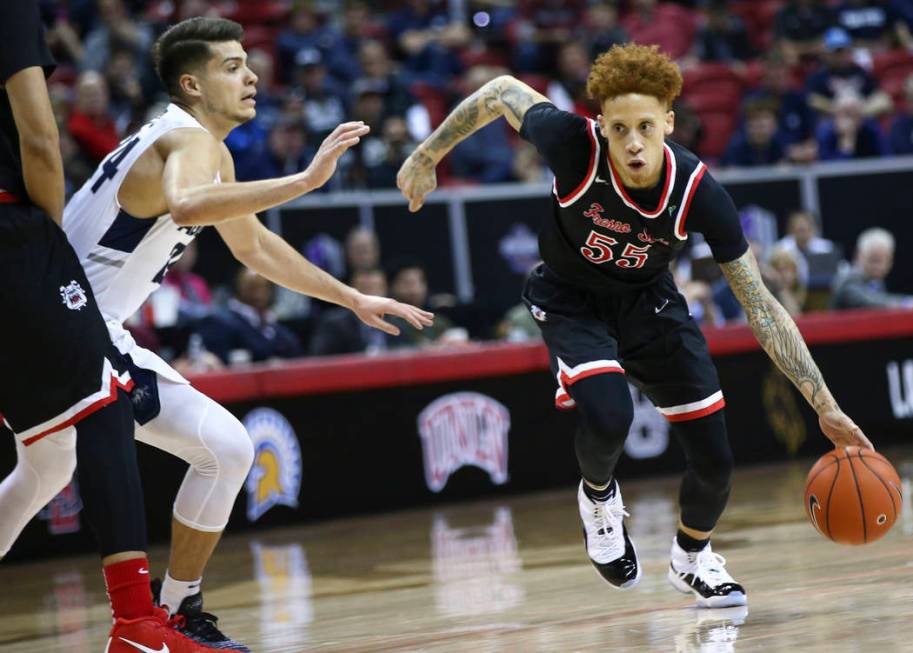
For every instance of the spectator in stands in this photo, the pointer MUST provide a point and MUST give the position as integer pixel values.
(666, 24)
(901, 138)
(269, 101)
(795, 119)
(722, 36)
(339, 331)
(487, 155)
(863, 285)
(116, 30)
(356, 26)
(785, 281)
(757, 142)
(378, 72)
(380, 157)
(849, 134)
(429, 41)
(128, 104)
(286, 152)
(305, 32)
(409, 283)
(362, 249)
(688, 130)
(246, 330)
(872, 24)
(528, 166)
(567, 90)
(840, 75)
(903, 9)
(799, 27)
(324, 99)
(817, 258)
(603, 29)
(542, 26)
(90, 123)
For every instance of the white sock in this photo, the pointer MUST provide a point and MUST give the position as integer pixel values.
(175, 591)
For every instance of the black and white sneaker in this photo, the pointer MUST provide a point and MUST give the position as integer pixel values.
(201, 627)
(606, 538)
(703, 574)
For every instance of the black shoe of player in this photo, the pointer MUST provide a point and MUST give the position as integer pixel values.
(201, 627)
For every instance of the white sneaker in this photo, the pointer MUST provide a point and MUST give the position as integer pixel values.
(703, 574)
(606, 538)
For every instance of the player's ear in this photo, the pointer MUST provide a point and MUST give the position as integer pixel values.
(602, 128)
(190, 85)
(670, 122)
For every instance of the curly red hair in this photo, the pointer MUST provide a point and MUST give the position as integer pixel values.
(633, 68)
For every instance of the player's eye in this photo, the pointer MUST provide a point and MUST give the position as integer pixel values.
(619, 129)
(645, 126)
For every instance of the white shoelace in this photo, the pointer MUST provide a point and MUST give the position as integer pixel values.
(710, 567)
(609, 540)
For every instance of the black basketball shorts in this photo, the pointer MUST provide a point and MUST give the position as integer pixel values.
(647, 334)
(57, 363)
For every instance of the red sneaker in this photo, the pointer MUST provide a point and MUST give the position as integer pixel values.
(152, 634)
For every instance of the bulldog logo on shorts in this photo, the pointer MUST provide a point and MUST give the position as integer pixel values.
(73, 296)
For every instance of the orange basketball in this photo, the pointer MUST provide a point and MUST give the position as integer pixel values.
(852, 495)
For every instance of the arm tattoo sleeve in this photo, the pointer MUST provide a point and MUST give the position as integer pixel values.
(776, 331)
(501, 96)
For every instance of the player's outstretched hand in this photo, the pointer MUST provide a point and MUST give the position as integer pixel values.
(842, 431)
(416, 178)
(371, 310)
(334, 146)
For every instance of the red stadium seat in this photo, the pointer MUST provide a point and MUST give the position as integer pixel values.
(713, 102)
(260, 36)
(536, 82)
(718, 127)
(758, 16)
(434, 100)
(713, 78)
(257, 12)
(892, 70)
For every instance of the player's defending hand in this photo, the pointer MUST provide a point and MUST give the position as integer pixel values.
(841, 430)
(334, 146)
(371, 310)
(416, 178)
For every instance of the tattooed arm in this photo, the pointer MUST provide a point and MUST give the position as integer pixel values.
(502, 96)
(780, 338)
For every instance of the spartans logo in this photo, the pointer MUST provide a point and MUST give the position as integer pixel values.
(275, 478)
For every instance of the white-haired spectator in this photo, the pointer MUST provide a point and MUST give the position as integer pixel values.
(863, 285)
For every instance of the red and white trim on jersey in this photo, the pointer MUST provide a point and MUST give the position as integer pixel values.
(110, 382)
(694, 410)
(667, 188)
(568, 376)
(690, 189)
(584, 186)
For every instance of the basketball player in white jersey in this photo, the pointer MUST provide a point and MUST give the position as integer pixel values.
(133, 219)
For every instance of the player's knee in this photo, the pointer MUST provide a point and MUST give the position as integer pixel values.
(605, 405)
(53, 460)
(235, 452)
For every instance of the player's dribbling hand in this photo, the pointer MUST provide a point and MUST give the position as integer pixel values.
(842, 431)
(416, 178)
(334, 146)
(371, 310)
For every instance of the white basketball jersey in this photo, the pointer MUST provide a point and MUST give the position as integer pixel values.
(125, 258)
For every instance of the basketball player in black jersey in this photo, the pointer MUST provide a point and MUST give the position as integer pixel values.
(624, 201)
(63, 385)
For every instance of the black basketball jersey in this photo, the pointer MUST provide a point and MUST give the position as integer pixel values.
(22, 45)
(609, 238)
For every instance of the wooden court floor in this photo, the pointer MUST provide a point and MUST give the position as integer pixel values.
(511, 576)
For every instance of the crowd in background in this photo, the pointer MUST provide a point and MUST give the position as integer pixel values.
(766, 82)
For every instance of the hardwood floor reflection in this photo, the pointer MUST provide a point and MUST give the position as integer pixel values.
(512, 576)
